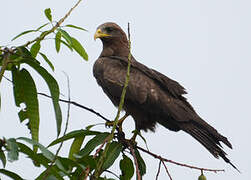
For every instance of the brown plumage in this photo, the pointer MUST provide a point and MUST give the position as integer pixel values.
(151, 97)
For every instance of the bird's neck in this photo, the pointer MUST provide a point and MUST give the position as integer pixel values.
(115, 48)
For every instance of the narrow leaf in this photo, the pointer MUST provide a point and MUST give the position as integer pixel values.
(41, 26)
(67, 45)
(76, 27)
(35, 49)
(79, 48)
(112, 154)
(48, 154)
(12, 149)
(66, 36)
(75, 147)
(36, 158)
(92, 144)
(53, 87)
(47, 13)
(48, 61)
(25, 92)
(126, 167)
(10, 174)
(2, 157)
(23, 33)
(57, 41)
(74, 134)
(54, 175)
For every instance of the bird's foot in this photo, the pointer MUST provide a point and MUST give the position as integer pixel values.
(109, 124)
(120, 122)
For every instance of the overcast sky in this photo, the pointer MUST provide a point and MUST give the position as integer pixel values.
(204, 45)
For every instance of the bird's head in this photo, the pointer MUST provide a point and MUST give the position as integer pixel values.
(109, 31)
(114, 39)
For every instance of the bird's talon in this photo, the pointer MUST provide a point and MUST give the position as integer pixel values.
(109, 124)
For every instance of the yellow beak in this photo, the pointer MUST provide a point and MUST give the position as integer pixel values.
(100, 34)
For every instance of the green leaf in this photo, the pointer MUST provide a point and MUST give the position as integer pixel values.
(35, 49)
(75, 146)
(69, 164)
(47, 13)
(88, 161)
(48, 61)
(48, 154)
(42, 26)
(43, 149)
(141, 163)
(126, 167)
(22, 115)
(57, 41)
(10, 174)
(12, 149)
(67, 45)
(74, 134)
(66, 36)
(92, 144)
(53, 87)
(76, 27)
(24, 52)
(25, 92)
(23, 33)
(36, 158)
(2, 157)
(113, 152)
(79, 48)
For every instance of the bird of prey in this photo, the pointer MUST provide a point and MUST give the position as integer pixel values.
(151, 97)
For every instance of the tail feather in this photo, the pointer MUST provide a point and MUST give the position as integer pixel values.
(209, 139)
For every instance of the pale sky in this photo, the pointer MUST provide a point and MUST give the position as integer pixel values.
(204, 45)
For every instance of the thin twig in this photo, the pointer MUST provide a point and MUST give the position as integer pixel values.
(177, 163)
(78, 105)
(112, 173)
(135, 160)
(99, 149)
(157, 175)
(58, 24)
(166, 170)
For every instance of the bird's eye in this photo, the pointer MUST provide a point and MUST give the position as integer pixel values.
(109, 29)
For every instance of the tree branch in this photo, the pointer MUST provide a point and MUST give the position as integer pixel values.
(166, 169)
(177, 163)
(135, 160)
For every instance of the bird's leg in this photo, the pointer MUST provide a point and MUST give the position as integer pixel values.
(120, 122)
